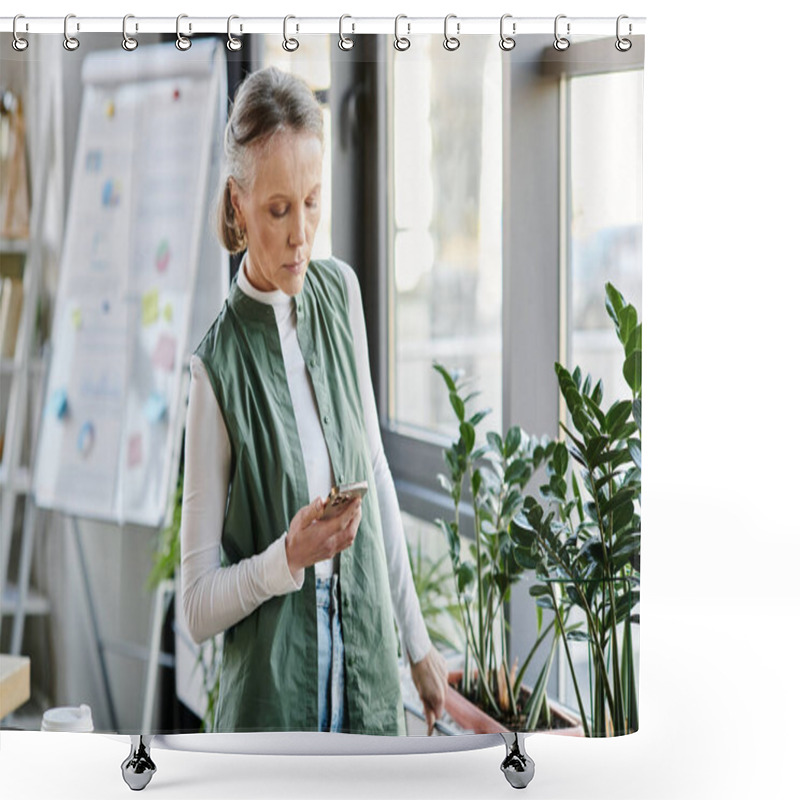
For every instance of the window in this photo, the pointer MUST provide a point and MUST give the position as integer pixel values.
(604, 224)
(445, 212)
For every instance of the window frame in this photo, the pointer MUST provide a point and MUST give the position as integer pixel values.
(534, 238)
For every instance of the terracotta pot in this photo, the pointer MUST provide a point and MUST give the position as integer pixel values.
(470, 717)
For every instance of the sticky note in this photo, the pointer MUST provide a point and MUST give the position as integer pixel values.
(168, 312)
(57, 404)
(150, 307)
(155, 409)
(85, 439)
(77, 318)
(162, 256)
(110, 110)
(135, 450)
(164, 354)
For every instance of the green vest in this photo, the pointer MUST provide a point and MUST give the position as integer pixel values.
(268, 680)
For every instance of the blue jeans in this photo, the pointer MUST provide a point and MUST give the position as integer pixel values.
(330, 657)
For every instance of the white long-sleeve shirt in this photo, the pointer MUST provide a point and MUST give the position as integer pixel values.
(216, 597)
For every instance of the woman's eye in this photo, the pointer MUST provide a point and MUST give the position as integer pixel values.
(279, 212)
(312, 202)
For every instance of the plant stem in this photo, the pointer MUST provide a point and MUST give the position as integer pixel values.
(616, 707)
(563, 634)
(476, 512)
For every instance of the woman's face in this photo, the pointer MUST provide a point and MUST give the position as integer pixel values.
(281, 212)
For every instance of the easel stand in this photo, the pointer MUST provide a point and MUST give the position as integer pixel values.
(152, 655)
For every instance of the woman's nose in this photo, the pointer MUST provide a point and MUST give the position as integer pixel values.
(297, 230)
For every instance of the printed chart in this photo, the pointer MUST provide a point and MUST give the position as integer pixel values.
(137, 229)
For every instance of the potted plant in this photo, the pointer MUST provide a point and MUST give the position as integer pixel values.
(166, 567)
(495, 476)
(583, 538)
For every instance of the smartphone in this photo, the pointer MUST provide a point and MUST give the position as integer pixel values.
(341, 496)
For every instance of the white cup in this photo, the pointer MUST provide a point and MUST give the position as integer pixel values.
(68, 718)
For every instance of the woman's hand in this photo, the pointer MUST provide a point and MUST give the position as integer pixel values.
(311, 539)
(430, 678)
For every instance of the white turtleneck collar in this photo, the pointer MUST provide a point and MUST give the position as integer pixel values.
(277, 297)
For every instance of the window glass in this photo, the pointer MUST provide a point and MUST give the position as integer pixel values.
(445, 154)
(605, 218)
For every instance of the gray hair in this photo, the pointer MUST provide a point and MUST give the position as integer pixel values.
(266, 102)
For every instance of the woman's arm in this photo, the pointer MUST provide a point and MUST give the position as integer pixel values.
(413, 633)
(216, 597)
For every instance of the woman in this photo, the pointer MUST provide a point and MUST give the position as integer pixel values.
(281, 409)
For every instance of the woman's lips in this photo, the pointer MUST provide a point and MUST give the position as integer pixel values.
(295, 266)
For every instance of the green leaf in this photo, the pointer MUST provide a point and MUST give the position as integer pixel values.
(465, 576)
(478, 416)
(597, 394)
(627, 324)
(476, 482)
(616, 416)
(527, 559)
(512, 503)
(595, 409)
(471, 396)
(522, 534)
(539, 589)
(635, 449)
(628, 429)
(513, 438)
(578, 636)
(453, 540)
(623, 515)
(545, 602)
(576, 377)
(577, 455)
(632, 370)
(467, 436)
(517, 472)
(634, 340)
(602, 481)
(595, 447)
(592, 549)
(448, 379)
(458, 405)
(620, 497)
(637, 412)
(623, 554)
(495, 441)
(445, 483)
(560, 459)
(614, 302)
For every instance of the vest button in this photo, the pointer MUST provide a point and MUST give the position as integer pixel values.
(325, 420)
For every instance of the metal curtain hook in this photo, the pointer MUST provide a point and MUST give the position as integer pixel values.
(560, 43)
(182, 42)
(70, 42)
(345, 42)
(289, 44)
(623, 45)
(401, 42)
(507, 42)
(128, 42)
(18, 43)
(233, 44)
(451, 42)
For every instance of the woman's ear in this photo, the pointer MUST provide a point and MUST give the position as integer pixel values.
(236, 200)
